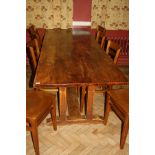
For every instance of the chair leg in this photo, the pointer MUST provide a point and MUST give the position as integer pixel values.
(82, 100)
(107, 109)
(53, 116)
(34, 135)
(124, 132)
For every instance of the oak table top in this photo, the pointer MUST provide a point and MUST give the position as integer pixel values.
(71, 58)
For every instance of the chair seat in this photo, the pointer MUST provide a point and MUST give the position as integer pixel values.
(38, 105)
(35, 104)
(120, 98)
(118, 101)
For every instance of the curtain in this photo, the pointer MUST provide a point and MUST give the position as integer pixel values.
(111, 14)
(49, 14)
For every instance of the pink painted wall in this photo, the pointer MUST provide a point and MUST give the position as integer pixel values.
(82, 10)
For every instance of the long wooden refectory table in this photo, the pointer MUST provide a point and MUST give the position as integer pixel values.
(71, 59)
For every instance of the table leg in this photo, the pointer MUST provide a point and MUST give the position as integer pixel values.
(91, 90)
(82, 99)
(63, 103)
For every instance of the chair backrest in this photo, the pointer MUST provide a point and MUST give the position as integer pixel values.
(100, 32)
(34, 52)
(36, 47)
(100, 28)
(100, 36)
(103, 42)
(32, 30)
(34, 34)
(113, 49)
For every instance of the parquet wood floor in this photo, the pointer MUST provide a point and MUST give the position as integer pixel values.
(81, 139)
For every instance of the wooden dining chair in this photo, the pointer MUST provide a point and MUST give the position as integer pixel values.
(34, 53)
(100, 36)
(38, 105)
(34, 34)
(118, 101)
(113, 50)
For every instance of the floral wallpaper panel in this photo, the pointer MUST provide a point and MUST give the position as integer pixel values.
(49, 13)
(111, 14)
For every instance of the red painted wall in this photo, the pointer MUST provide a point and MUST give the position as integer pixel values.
(82, 10)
